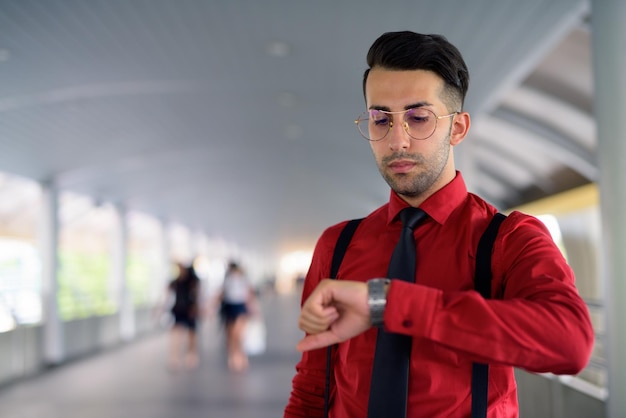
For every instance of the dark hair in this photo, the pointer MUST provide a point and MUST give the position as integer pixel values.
(414, 51)
(187, 273)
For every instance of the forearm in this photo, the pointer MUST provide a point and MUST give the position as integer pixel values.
(546, 334)
(308, 387)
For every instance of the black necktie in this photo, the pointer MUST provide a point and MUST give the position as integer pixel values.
(390, 374)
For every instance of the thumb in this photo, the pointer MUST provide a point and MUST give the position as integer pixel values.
(312, 342)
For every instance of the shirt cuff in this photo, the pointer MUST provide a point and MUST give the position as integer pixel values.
(411, 308)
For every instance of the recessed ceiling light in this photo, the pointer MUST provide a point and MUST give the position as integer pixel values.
(287, 99)
(278, 49)
(293, 132)
(5, 54)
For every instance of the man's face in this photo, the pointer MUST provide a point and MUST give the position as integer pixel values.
(413, 168)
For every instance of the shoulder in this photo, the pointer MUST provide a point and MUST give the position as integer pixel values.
(322, 257)
(521, 226)
(331, 234)
(525, 242)
(524, 236)
(324, 249)
(325, 245)
(517, 228)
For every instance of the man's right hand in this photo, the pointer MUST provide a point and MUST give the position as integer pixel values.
(336, 311)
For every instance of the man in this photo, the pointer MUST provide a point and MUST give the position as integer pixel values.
(414, 91)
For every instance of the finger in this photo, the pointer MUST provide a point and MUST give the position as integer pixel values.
(313, 324)
(312, 342)
(319, 319)
(319, 316)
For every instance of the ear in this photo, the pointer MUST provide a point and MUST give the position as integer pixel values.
(460, 127)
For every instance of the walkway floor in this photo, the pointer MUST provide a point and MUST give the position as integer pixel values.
(133, 380)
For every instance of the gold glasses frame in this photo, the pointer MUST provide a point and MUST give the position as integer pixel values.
(366, 115)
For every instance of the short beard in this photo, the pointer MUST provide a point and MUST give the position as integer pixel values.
(412, 185)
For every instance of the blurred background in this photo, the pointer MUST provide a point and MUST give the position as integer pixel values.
(137, 134)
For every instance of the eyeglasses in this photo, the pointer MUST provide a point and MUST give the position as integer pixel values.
(418, 122)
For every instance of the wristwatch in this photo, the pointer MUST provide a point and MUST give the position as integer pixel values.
(377, 300)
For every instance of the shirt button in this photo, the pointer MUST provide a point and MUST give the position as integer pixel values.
(407, 323)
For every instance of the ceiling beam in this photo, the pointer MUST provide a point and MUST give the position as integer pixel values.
(558, 145)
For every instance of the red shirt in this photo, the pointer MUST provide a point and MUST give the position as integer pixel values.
(537, 320)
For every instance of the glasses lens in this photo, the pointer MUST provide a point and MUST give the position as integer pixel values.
(420, 122)
(373, 124)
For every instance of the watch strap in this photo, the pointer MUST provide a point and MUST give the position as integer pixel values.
(377, 300)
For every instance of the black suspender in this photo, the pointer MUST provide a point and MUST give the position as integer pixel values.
(342, 245)
(482, 283)
(482, 278)
(340, 250)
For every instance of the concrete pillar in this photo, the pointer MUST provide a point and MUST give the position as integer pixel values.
(53, 345)
(166, 259)
(119, 262)
(609, 65)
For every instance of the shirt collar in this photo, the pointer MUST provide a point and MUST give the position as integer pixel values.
(438, 206)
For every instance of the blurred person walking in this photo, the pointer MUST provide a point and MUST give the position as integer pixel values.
(237, 301)
(185, 292)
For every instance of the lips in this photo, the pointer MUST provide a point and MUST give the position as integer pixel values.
(401, 166)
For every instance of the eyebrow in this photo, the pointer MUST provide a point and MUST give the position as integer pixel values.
(407, 107)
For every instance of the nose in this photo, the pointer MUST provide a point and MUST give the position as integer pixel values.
(398, 136)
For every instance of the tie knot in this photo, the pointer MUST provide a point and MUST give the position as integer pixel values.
(410, 217)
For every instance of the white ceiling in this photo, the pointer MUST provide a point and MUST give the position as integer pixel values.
(236, 117)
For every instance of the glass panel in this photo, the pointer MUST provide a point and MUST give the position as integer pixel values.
(20, 263)
(84, 271)
(145, 264)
